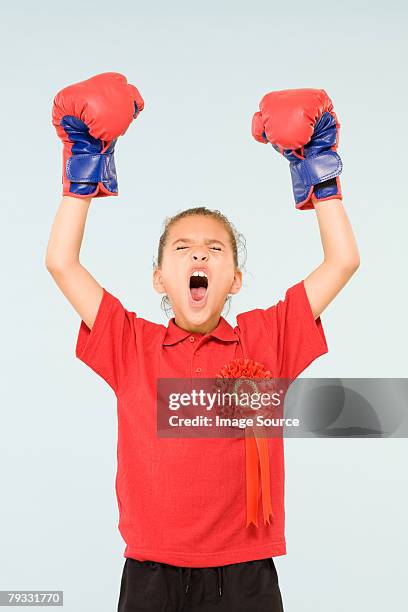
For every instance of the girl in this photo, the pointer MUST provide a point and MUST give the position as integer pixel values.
(189, 508)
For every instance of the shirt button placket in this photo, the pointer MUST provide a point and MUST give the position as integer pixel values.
(198, 369)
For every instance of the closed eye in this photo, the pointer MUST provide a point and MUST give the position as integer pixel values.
(184, 247)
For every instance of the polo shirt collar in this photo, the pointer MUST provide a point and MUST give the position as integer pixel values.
(223, 331)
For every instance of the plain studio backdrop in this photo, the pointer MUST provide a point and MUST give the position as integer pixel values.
(202, 69)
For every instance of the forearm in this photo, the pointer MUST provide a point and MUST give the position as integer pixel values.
(67, 233)
(338, 241)
(62, 259)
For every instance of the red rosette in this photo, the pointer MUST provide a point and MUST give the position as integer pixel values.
(235, 377)
(244, 367)
(243, 375)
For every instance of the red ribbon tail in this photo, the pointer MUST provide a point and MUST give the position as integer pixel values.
(251, 479)
(263, 451)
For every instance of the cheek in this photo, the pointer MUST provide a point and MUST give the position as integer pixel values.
(174, 278)
(223, 281)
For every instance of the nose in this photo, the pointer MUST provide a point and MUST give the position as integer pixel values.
(200, 257)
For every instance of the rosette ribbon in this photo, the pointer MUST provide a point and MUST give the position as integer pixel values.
(245, 370)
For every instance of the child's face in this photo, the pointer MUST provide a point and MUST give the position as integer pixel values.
(197, 242)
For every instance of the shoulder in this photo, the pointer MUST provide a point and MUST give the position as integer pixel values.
(112, 309)
(294, 295)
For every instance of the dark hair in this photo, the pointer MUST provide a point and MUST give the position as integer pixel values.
(237, 241)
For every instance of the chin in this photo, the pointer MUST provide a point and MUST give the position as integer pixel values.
(194, 315)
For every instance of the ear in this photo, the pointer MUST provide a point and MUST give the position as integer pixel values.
(237, 282)
(158, 281)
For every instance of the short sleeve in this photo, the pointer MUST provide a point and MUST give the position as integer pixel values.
(299, 336)
(103, 348)
(295, 338)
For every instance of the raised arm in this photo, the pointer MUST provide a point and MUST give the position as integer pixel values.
(88, 117)
(301, 125)
(62, 259)
(341, 256)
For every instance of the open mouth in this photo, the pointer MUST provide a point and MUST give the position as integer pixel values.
(198, 286)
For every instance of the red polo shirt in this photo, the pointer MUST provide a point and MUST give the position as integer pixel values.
(183, 500)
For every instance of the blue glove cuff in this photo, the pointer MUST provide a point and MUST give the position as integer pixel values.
(312, 171)
(92, 168)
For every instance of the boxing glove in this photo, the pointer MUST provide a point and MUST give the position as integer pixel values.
(302, 125)
(89, 117)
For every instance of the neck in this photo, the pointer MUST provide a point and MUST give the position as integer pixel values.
(202, 328)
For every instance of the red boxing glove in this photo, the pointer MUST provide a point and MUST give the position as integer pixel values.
(302, 125)
(89, 117)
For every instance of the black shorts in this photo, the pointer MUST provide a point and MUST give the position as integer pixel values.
(250, 586)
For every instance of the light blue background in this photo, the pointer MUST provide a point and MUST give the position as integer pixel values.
(202, 69)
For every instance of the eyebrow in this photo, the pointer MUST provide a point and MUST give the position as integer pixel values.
(207, 241)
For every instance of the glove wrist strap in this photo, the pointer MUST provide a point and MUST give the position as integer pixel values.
(317, 169)
(316, 173)
(89, 168)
